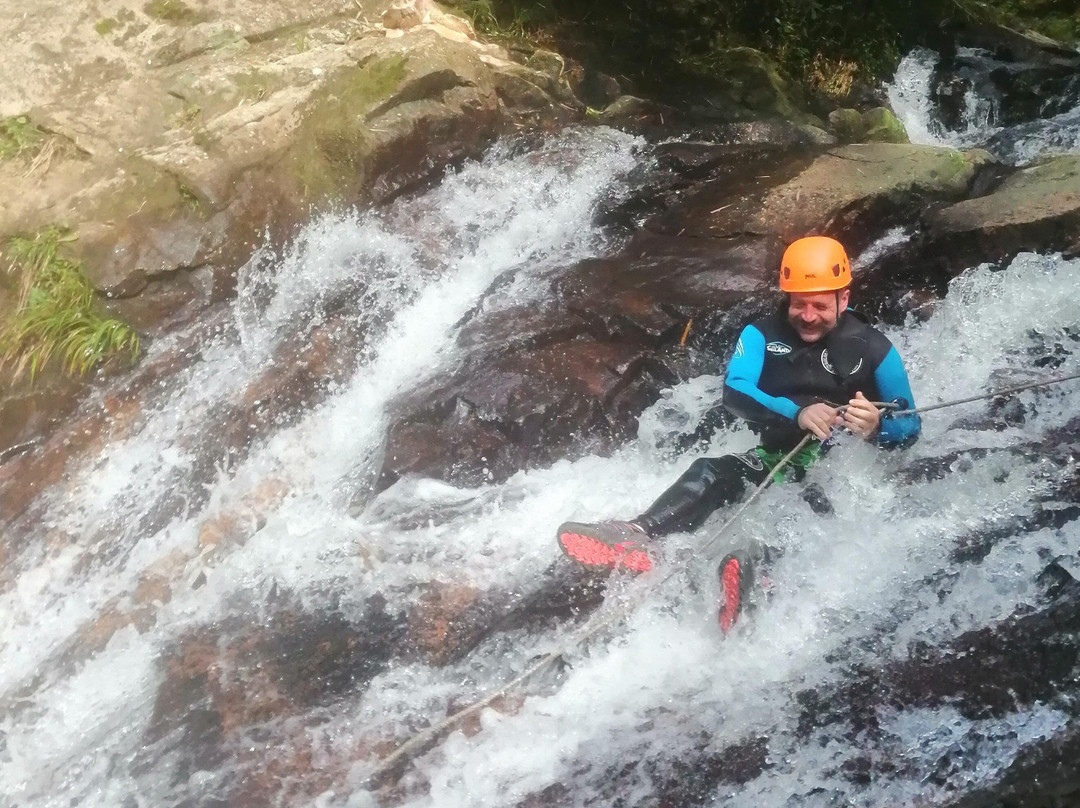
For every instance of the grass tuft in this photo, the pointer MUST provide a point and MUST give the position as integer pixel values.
(18, 136)
(56, 318)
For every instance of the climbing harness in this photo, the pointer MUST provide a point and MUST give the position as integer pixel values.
(598, 623)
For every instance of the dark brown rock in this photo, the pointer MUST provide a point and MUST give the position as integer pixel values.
(220, 681)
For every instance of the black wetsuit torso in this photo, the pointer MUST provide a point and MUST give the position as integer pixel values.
(772, 375)
(796, 374)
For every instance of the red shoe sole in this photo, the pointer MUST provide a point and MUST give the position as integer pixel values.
(729, 609)
(594, 553)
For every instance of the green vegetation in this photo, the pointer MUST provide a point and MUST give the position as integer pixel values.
(173, 11)
(1059, 19)
(19, 136)
(192, 200)
(56, 316)
(334, 144)
(515, 19)
(828, 44)
(106, 26)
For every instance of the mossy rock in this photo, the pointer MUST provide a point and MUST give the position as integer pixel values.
(757, 84)
(334, 139)
(880, 125)
(847, 125)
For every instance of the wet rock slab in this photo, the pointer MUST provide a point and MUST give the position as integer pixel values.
(571, 375)
(1036, 207)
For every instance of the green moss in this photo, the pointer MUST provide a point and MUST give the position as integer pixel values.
(56, 317)
(192, 201)
(106, 26)
(172, 11)
(255, 85)
(188, 115)
(882, 126)
(19, 136)
(204, 140)
(1048, 17)
(334, 143)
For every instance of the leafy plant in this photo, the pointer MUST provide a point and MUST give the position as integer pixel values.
(514, 19)
(56, 317)
(18, 135)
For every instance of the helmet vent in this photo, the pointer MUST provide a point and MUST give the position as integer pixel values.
(787, 273)
(836, 270)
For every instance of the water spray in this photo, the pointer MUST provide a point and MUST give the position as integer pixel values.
(421, 740)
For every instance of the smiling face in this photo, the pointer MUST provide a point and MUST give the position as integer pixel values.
(814, 314)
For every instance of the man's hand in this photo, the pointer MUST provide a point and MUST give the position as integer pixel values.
(819, 419)
(861, 417)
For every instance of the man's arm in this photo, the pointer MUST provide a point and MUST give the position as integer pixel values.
(892, 383)
(741, 393)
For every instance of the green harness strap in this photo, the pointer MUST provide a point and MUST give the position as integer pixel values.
(806, 457)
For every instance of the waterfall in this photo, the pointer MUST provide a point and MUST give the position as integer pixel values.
(865, 586)
(911, 94)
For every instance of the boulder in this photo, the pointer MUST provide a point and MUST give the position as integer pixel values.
(835, 193)
(222, 680)
(633, 114)
(882, 126)
(754, 84)
(210, 133)
(403, 14)
(1038, 207)
(846, 124)
(520, 409)
(573, 377)
(876, 125)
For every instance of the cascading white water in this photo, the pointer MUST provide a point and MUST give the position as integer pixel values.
(910, 94)
(848, 589)
(409, 273)
(667, 678)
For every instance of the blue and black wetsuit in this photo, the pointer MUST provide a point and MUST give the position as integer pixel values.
(772, 375)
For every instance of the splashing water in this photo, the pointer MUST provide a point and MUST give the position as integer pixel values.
(850, 589)
(408, 274)
(911, 96)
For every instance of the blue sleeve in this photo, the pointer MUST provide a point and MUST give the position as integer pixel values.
(893, 385)
(741, 393)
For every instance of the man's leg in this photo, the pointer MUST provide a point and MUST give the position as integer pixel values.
(708, 484)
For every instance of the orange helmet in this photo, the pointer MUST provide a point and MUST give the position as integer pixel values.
(815, 264)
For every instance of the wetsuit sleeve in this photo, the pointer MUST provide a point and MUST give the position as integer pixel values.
(892, 383)
(741, 393)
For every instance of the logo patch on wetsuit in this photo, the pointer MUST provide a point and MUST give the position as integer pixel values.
(739, 351)
(751, 459)
(825, 363)
(778, 348)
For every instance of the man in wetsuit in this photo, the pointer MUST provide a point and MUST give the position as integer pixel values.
(814, 365)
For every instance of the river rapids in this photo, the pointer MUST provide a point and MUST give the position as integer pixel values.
(650, 702)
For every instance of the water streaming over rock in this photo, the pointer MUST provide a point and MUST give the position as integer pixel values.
(204, 695)
(963, 108)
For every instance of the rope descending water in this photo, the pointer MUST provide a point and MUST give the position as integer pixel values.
(595, 625)
(602, 621)
(981, 397)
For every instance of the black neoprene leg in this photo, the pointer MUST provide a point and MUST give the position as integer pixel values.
(709, 483)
